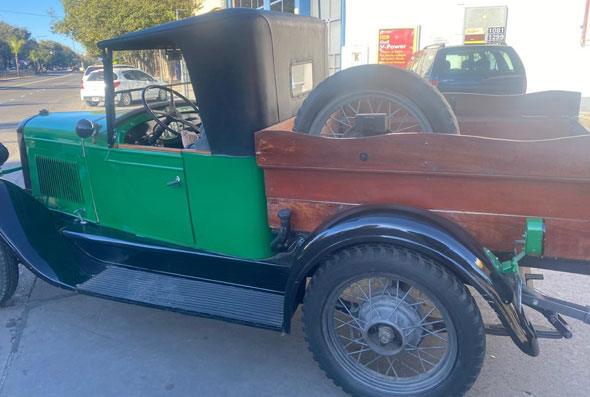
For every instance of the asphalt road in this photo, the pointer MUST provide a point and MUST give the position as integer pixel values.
(56, 343)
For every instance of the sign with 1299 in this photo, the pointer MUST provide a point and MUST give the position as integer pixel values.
(495, 35)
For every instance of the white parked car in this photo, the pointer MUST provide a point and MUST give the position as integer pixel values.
(94, 68)
(93, 87)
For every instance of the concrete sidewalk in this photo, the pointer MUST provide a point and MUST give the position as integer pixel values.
(56, 343)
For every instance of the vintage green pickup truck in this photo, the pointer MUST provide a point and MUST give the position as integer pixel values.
(366, 196)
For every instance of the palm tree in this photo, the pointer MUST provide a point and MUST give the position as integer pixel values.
(35, 57)
(15, 45)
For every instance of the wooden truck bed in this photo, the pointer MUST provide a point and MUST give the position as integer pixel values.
(487, 185)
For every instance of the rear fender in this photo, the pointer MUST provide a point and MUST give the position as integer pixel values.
(423, 232)
(33, 232)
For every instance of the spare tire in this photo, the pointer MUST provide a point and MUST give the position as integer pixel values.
(408, 101)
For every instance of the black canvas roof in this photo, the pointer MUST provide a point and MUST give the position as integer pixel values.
(239, 61)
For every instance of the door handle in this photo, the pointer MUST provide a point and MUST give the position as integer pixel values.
(176, 181)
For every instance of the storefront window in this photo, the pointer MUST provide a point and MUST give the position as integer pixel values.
(283, 5)
(274, 5)
(248, 3)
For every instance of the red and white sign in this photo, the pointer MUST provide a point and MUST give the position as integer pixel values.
(396, 46)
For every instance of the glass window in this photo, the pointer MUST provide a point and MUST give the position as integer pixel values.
(150, 67)
(91, 69)
(506, 63)
(425, 65)
(128, 75)
(139, 75)
(249, 3)
(283, 5)
(414, 61)
(275, 5)
(301, 78)
(487, 61)
(99, 76)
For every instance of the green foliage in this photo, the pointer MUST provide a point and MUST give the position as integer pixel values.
(51, 53)
(90, 21)
(8, 32)
(15, 43)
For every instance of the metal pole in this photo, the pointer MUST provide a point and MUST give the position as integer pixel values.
(585, 25)
(182, 66)
(109, 98)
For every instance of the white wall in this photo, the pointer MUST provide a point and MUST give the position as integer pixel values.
(546, 34)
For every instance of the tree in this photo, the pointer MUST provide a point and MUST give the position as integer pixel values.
(90, 21)
(7, 31)
(53, 54)
(35, 56)
(15, 45)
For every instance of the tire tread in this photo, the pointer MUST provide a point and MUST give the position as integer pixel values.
(455, 288)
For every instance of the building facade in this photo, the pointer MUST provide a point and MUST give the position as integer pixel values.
(545, 34)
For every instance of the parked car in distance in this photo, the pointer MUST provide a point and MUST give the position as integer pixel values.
(94, 68)
(480, 69)
(92, 90)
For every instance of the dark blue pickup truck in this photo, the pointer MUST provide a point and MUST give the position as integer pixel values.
(483, 69)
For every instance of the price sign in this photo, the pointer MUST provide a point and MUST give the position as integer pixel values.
(496, 35)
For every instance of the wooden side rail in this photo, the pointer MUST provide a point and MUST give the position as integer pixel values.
(489, 186)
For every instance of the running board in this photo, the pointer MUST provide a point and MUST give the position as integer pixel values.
(242, 305)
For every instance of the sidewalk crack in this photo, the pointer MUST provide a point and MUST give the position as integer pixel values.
(17, 337)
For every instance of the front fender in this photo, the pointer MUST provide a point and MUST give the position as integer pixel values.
(428, 234)
(33, 233)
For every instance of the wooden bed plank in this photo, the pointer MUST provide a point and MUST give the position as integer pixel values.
(488, 186)
(565, 237)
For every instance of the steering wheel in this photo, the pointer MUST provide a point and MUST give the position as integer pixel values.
(171, 113)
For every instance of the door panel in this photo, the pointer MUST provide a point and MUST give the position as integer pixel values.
(134, 192)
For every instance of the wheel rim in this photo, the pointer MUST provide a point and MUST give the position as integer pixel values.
(337, 119)
(126, 99)
(390, 334)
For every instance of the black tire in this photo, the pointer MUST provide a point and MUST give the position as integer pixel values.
(92, 103)
(406, 85)
(3, 154)
(125, 99)
(8, 273)
(463, 366)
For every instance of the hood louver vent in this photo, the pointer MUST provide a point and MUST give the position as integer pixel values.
(59, 179)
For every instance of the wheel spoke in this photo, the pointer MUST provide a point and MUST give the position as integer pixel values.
(407, 128)
(346, 323)
(379, 107)
(401, 301)
(402, 122)
(369, 320)
(357, 341)
(359, 351)
(421, 350)
(368, 298)
(408, 367)
(391, 366)
(350, 314)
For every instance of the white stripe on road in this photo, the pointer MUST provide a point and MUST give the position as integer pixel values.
(40, 81)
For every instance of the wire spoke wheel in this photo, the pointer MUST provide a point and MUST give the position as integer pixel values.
(389, 332)
(409, 103)
(385, 321)
(337, 120)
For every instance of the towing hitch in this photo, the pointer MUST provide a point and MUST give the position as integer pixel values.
(551, 308)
